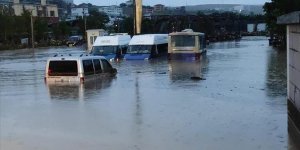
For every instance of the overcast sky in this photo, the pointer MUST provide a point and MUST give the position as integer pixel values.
(173, 2)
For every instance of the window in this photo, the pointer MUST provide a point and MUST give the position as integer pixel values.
(139, 49)
(104, 50)
(183, 41)
(52, 14)
(88, 67)
(92, 40)
(63, 68)
(106, 65)
(97, 66)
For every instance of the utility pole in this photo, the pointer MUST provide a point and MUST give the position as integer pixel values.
(84, 17)
(32, 36)
(134, 17)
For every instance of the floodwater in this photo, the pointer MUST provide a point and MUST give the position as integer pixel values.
(238, 102)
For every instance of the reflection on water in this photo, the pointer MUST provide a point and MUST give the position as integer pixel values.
(277, 73)
(150, 105)
(188, 70)
(294, 136)
(77, 91)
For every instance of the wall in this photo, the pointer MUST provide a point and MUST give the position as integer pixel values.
(293, 50)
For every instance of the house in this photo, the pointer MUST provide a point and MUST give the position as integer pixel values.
(42, 9)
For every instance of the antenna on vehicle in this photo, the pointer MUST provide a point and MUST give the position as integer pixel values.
(81, 55)
(55, 55)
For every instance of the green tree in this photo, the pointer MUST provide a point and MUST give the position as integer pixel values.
(96, 19)
(41, 29)
(61, 30)
(276, 8)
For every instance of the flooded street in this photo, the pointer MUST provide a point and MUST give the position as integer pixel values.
(238, 102)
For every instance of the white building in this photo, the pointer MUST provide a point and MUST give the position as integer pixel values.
(239, 8)
(111, 11)
(79, 12)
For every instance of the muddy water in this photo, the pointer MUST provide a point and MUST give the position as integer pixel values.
(234, 98)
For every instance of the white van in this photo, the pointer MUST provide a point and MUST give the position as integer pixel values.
(77, 69)
(147, 46)
(112, 46)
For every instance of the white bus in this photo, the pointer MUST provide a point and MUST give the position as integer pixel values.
(147, 46)
(186, 45)
(112, 46)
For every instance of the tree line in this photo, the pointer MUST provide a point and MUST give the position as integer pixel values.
(46, 33)
(217, 26)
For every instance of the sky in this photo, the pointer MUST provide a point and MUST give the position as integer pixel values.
(173, 2)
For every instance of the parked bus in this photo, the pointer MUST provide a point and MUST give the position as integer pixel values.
(186, 45)
(112, 46)
(147, 46)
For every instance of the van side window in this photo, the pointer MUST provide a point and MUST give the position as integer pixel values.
(88, 67)
(106, 66)
(97, 66)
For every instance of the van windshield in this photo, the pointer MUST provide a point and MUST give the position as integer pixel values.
(104, 50)
(183, 41)
(139, 49)
(63, 68)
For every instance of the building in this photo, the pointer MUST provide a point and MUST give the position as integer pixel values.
(91, 36)
(41, 9)
(158, 8)
(112, 11)
(79, 12)
(292, 21)
(129, 2)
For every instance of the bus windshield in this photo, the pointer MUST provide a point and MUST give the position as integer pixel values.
(183, 41)
(104, 50)
(139, 49)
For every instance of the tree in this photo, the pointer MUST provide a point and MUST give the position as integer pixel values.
(96, 19)
(276, 8)
(41, 29)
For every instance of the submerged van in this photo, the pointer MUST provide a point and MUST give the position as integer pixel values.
(112, 46)
(77, 69)
(147, 46)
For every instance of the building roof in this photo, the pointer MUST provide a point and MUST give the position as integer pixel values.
(291, 18)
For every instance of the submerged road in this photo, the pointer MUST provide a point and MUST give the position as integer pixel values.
(150, 105)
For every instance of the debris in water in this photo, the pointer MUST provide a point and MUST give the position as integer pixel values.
(197, 78)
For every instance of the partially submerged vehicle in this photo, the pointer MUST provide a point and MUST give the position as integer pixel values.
(147, 46)
(186, 45)
(77, 68)
(111, 46)
(74, 40)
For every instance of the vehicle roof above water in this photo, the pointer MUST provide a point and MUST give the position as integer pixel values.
(149, 39)
(79, 57)
(112, 40)
(186, 32)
